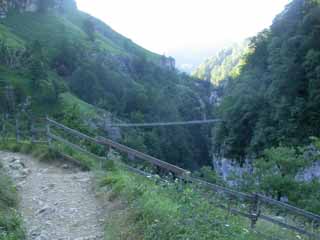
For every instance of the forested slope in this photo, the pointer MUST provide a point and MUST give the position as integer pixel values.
(49, 56)
(268, 139)
(224, 65)
(275, 99)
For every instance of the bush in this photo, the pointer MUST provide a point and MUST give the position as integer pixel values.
(10, 221)
(277, 173)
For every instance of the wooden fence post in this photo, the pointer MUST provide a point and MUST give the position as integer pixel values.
(107, 151)
(32, 132)
(48, 131)
(255, 210)
(17, 130)
(131, 157)
(3, 128)
(229, 206)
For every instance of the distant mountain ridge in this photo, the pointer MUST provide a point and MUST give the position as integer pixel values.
(224, 64)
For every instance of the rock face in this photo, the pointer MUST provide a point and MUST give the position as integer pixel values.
(3, 8)
(34, 5)
(113, 132)
(310, 173)
(227, 168)
(168, 62)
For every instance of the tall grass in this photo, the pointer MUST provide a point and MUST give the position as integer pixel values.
(158, 210)
(10, 221)
(167, 211)
(152, 209)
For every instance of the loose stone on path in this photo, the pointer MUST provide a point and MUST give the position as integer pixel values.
(57, 203)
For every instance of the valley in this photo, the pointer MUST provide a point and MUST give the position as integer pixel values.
(61, 63)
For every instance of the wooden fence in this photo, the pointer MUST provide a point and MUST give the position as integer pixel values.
(22, 127)
(259, 207)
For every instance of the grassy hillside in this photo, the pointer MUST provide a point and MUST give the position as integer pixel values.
(51, 29)
(54, 60)
(19, 31)
(150, 209)
(6, 34)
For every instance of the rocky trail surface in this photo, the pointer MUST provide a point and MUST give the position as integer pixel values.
(57, 202)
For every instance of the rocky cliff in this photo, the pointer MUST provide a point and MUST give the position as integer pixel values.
(168, 62)
(34, 5)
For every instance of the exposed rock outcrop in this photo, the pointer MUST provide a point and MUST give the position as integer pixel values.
(34, 5)
(310, 173)
(168, 62)
(114, 133)
(228, 169)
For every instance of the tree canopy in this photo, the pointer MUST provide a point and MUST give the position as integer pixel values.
(275, 99)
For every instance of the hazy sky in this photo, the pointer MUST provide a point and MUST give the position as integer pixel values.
(183, 28)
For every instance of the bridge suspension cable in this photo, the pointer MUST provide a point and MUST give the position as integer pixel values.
(160, 124)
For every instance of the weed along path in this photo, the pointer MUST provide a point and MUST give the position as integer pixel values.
(57, 202)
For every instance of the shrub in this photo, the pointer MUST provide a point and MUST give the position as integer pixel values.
(10, 221)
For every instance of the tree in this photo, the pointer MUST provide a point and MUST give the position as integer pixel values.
(275, 97)
(277, 170)
(84, 83)
(37, 64)
(37, 72)
(68, 57)
(45, 5)
(89, 28)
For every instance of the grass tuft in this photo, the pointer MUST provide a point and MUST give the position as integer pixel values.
(10, 220)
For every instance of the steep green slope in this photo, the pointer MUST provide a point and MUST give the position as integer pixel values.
(226, 64)
(51, 29)
(275, 99)
(49, 55)
(5, 34)
(270, 108)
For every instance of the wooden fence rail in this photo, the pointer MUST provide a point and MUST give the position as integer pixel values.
(309, 215)
(254, 200)
(109, 143)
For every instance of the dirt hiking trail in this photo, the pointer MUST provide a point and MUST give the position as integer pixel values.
(58, 202)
